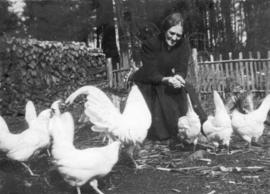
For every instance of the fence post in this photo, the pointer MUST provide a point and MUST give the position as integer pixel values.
(211, 58)
(241, 66)
(268, 74)
(195, 69)
(258, 68)
(213, 85)
(222, 75)
(231, 71)
(109, 72)
(251, 71)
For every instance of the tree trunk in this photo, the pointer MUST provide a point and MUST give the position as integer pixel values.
(116, 27)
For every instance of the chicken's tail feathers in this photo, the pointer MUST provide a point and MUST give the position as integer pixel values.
(265, 104)
(218, 100)
(136, 115)
(83, 90)
(3, 125)
(30, 112)
(190, 107)
(136, 109)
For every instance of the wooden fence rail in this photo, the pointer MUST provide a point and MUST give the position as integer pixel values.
(225, 76)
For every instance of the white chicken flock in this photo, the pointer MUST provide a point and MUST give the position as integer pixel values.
(129, 128)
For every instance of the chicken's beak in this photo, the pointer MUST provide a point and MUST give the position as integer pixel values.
(62, 105)
(59, 104)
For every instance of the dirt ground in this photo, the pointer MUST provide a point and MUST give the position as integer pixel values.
(168, 171)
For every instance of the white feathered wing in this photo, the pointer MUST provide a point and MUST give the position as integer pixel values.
(130, 126)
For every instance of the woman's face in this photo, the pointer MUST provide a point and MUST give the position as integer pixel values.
(173, 35)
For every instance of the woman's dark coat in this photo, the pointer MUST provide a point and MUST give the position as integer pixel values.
(166, 103)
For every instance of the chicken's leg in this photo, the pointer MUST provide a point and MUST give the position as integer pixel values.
(228, 149)
(29, 170)
(248, 140)
(130, 152)
(255, 143)
(216, 146)
(78, 190)
(195, 142)
(94, 185)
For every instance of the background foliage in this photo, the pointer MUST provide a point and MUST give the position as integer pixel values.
(216, 26)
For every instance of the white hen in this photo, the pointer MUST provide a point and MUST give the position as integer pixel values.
(79, 166)
(189, 126)
(22, 146)
(130, 127)
(218, 128)
(251, 125)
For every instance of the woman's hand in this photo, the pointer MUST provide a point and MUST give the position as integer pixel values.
(180, 79)
(173, 81)
(176, 83)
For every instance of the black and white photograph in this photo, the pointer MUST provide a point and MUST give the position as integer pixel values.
(134, 96)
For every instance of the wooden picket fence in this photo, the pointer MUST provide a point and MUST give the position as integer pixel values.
(232, 75)
(225, 76)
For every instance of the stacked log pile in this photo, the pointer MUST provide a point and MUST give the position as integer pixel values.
(45, 70)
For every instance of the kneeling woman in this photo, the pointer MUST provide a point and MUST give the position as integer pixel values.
(161, 79)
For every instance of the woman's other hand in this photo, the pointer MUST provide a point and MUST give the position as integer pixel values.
(172, 81)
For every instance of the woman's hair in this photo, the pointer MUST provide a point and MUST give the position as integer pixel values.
(172, 20)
